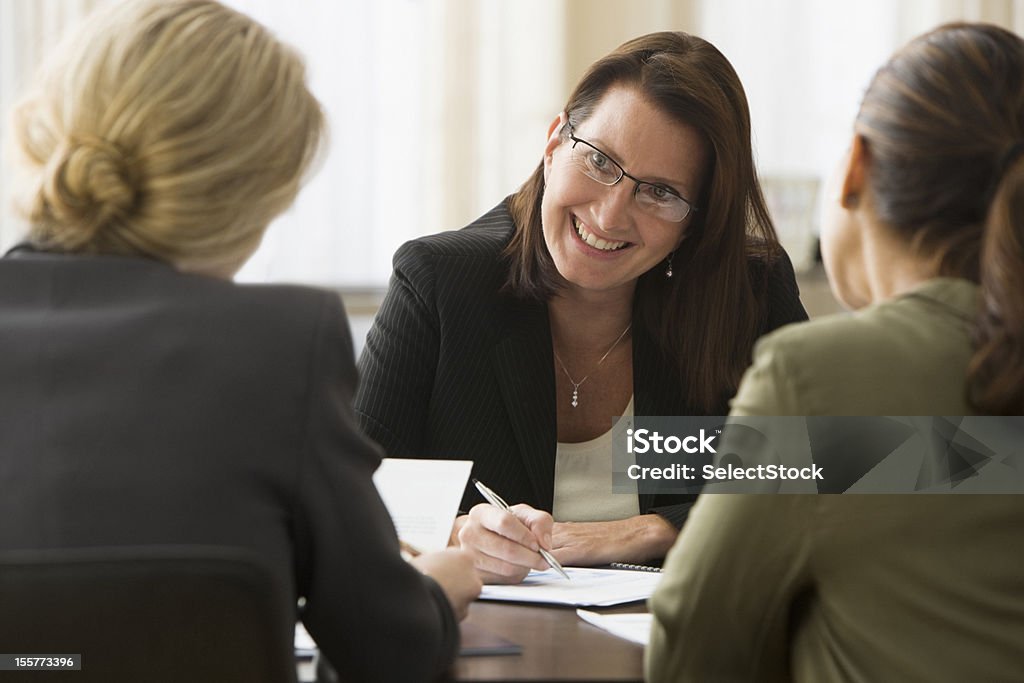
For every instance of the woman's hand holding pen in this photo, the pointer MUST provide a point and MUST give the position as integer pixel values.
(505, 545)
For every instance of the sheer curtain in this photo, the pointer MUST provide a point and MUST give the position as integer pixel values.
(364, 66)
(437, 110)
(28, 30)
(805, 65)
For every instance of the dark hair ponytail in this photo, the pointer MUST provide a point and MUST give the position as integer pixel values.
(944, 121)
(995, 377)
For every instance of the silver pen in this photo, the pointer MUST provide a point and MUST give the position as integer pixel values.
(497, 501)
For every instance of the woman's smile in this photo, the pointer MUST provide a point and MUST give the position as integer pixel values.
(590, 241)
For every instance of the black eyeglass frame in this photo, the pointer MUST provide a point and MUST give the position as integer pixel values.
(691, 207)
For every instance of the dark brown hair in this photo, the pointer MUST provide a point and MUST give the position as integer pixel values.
(706, 318)
(944, 125)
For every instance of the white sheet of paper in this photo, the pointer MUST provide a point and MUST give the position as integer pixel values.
(303, 641)
(633, 627)
(596, 587)
(422, 497)
(306, 655)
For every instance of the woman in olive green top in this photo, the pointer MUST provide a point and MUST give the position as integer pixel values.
(924, 234)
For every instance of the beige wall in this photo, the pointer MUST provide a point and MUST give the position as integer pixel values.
(593, 28)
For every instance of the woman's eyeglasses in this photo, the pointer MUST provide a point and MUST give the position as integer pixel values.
(656, 199)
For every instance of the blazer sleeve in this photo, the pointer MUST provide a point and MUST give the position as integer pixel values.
(399, 362)
(722, 611)
(373, 615)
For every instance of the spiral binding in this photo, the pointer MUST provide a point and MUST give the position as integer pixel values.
(634, 567)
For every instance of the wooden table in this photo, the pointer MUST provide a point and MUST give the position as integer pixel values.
(557, 646)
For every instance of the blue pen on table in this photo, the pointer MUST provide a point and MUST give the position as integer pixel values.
(497, 501)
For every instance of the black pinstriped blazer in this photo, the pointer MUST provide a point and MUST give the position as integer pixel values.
(454, 369)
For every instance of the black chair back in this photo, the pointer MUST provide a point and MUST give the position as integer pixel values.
(147, 614)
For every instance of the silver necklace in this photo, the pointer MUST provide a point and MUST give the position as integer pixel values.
(576, 385)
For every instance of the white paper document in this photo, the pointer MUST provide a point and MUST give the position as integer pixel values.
(633, 627)
(306, 655)
(595, 587)
(422, 497)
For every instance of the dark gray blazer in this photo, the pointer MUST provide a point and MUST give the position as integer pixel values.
(453, 368)
(142, 406)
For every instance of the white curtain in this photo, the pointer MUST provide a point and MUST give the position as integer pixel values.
(805, 65)
(364, 66)
(413, 121)
(28, 30)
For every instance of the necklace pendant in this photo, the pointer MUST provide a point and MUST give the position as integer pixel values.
(576, 385)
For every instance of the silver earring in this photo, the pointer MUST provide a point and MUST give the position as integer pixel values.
(668, 265)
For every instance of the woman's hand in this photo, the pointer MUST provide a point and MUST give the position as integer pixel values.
(453, 570)
(504, 545)
(636, 539)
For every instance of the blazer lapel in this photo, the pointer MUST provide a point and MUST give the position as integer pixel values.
(523, 363)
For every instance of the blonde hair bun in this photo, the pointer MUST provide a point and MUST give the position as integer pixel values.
(88, 185)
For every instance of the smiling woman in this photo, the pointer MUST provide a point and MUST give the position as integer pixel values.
(630, 274)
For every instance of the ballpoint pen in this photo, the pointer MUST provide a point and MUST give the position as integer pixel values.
(497, 501)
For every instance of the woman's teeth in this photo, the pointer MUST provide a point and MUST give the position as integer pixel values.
(596, 242)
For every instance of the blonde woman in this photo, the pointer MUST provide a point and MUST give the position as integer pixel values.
(147, 399)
